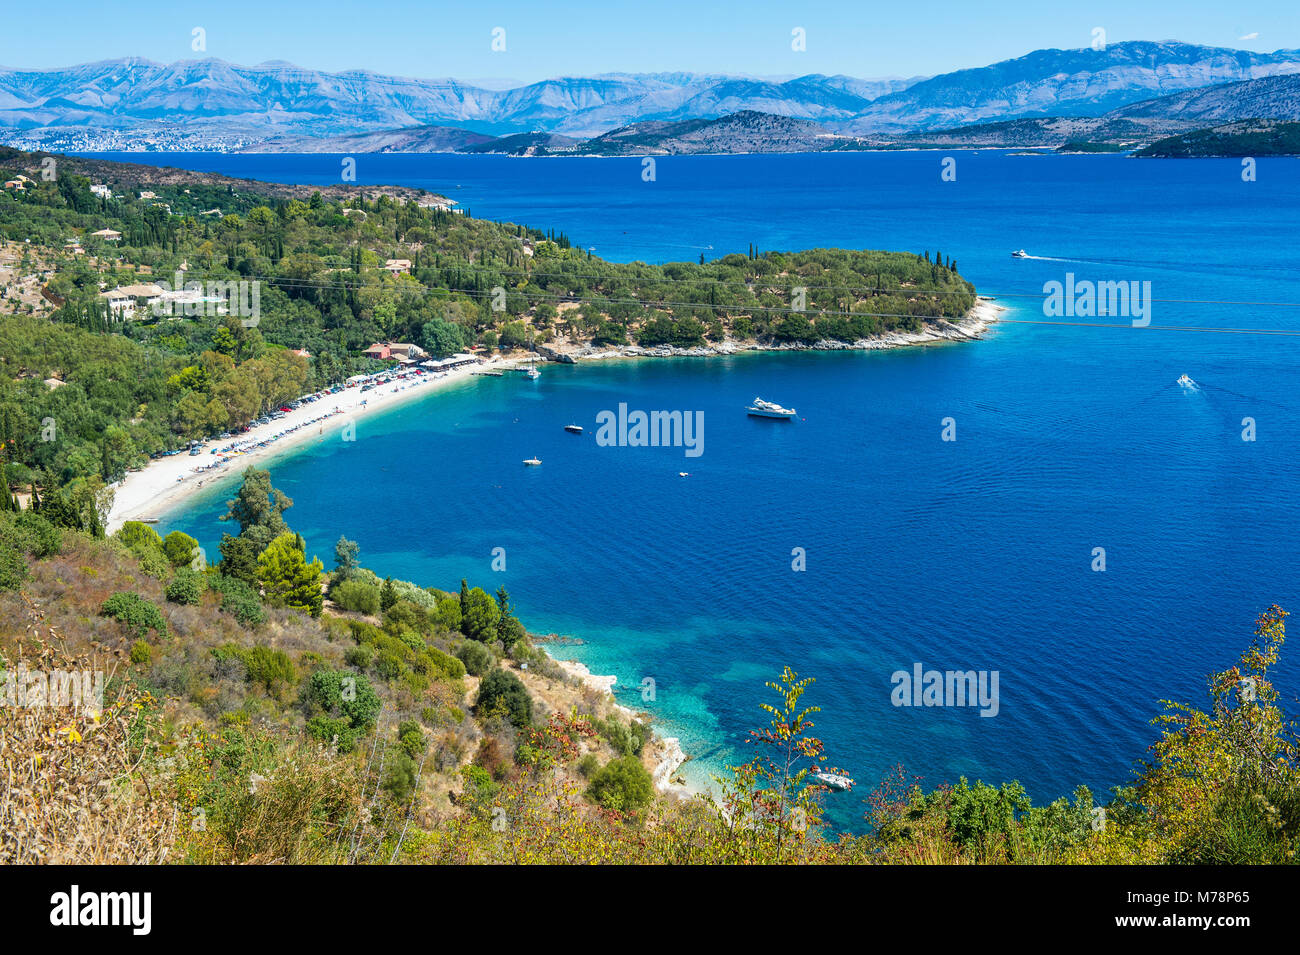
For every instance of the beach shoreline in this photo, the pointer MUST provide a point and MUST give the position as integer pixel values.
(166, 483)
(161, 487)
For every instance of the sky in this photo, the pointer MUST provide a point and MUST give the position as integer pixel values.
(864, 38)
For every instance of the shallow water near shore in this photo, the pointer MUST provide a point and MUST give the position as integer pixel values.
(974, 554)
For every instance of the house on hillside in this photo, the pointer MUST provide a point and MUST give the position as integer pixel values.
(104, 192)
(381, 352)
(107, 235)
(398, 266)
(125, 299)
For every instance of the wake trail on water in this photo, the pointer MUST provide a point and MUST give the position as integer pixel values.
(1233, 269)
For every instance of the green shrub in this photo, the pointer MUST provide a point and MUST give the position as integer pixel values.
(239, 600)
(361, 656)
(270, 668)
(356, 596)
(139, 615)
(155, 564)
(180, 549)
(623, 784)
(141, 653)
(342, 704)
(502, 691)
(143, 542)
(478, 659)
(32, 533)
(13, 568)
(186, 587)
(447, 665)
(448, 613)
(626, 740)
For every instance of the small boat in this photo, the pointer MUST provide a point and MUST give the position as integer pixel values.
(834, 781)
(1020, 254)
(683, 473)
(532, 462)
(573, 428)
(769, 409)
(1184, 380)
(533, 373)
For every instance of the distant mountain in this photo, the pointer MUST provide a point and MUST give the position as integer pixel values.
(744, 132)
(1043, 131)
(526, 144)
(1066, 83)
(260, 103)
(1273, 97)
(1269, 98)
(412, 139)
(134, 103)
(1250, 137)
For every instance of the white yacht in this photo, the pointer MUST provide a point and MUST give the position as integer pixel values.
(1020, 254)
(769, 409)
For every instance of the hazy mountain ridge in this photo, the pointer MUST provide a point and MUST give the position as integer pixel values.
(134, 103)
(1066, 83)
(1275, 98)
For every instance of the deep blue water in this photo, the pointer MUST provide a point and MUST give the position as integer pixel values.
(973, 554)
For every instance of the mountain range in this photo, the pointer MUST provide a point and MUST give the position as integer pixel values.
(134, 103)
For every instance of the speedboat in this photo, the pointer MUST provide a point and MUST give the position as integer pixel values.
(769, 409)
(573, 428)
(532, 462)
(1020, 254)
(1184, 380)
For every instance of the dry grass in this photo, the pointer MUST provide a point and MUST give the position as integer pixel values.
(72, 790)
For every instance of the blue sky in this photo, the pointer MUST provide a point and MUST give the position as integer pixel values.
(859, 37)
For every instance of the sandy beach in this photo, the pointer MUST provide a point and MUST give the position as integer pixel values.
(166, 482)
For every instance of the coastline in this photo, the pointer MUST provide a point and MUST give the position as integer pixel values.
(165, 483)
(668, 755)
(970, 327)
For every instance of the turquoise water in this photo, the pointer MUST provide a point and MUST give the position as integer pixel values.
(973, 554)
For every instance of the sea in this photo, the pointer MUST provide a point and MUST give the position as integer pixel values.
(1094, 535)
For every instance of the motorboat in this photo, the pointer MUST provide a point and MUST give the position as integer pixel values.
(769, 409)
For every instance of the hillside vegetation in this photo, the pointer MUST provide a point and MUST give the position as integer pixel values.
(265, 710)
(1247, 138)
(118, 391)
